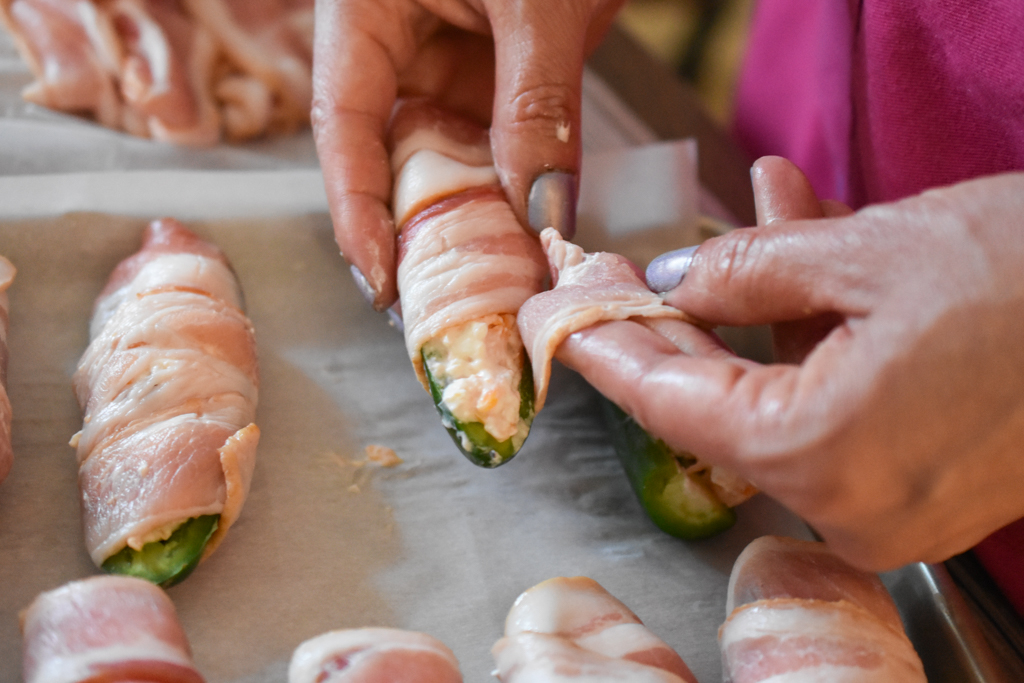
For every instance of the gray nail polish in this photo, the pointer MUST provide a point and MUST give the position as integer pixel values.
(552, 203)
(363, 285)
(667, 271)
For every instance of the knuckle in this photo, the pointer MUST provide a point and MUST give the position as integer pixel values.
(738, 257)
(546, 103)
(321, 112)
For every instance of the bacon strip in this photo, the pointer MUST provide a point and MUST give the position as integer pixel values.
(373, 655)
(593, 288)
(462, 253)
(797, 613)
(105, 628)
(168, 385)
(269, 41)
(166, 72)
(176, 70)
(572, 629)
(52, 37)
(7, 272)
(588, 289)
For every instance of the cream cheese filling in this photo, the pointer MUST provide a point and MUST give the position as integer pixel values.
(479, 367)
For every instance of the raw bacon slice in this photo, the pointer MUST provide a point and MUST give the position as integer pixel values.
(53, 37)
(166, 71)
(462, 252)
(168, 385)
(592, 288)
(572, 629)
(798, 613)
(270, 43)
(7, 272)
(373, 655)
(465, 266)
(586, 289)
(180, 71)
(105, 628)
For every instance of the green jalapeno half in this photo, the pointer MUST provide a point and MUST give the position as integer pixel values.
(471, 438)
(166, 562)
(679, 502)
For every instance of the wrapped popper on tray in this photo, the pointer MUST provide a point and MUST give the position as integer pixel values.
(682, 495)
(105, 628)
(795, 612)
(357, 655)
(465, 266)
(169, 386)
(571, 629)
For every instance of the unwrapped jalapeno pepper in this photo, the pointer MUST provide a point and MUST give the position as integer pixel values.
(678, 501)
(166, 562)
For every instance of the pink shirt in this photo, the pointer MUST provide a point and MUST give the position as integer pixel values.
(880, 99)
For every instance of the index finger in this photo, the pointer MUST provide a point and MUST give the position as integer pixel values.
(356, 48)
(540, 49)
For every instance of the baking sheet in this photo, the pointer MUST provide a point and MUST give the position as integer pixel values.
(326, 541)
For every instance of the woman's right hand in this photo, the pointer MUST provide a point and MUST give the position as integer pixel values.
(515, 65)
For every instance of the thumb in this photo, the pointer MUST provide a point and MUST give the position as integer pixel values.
(782, 192)
(791, 270)
(540, 49)
(783, 270)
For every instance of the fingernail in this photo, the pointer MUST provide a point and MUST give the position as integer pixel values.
(363, 285)
(667, 271)
(552, 203)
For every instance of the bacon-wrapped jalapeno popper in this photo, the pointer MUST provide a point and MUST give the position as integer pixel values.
(796, 612)
(105, 628)
(465, 266)
(373, 654)
(573, 630)
(168, 385)
(682, 495)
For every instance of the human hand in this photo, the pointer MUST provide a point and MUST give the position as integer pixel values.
(515, 65)
(895, 428)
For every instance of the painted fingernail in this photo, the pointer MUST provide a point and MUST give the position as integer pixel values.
(363, 285)
(667, 271)
(552, 203)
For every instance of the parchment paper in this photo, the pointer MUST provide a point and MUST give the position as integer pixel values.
(325, 541)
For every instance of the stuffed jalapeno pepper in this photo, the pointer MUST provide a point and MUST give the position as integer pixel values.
(168, 385)
(465, 265)
(683, 496)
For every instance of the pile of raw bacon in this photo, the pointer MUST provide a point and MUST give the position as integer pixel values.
(190, 72)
